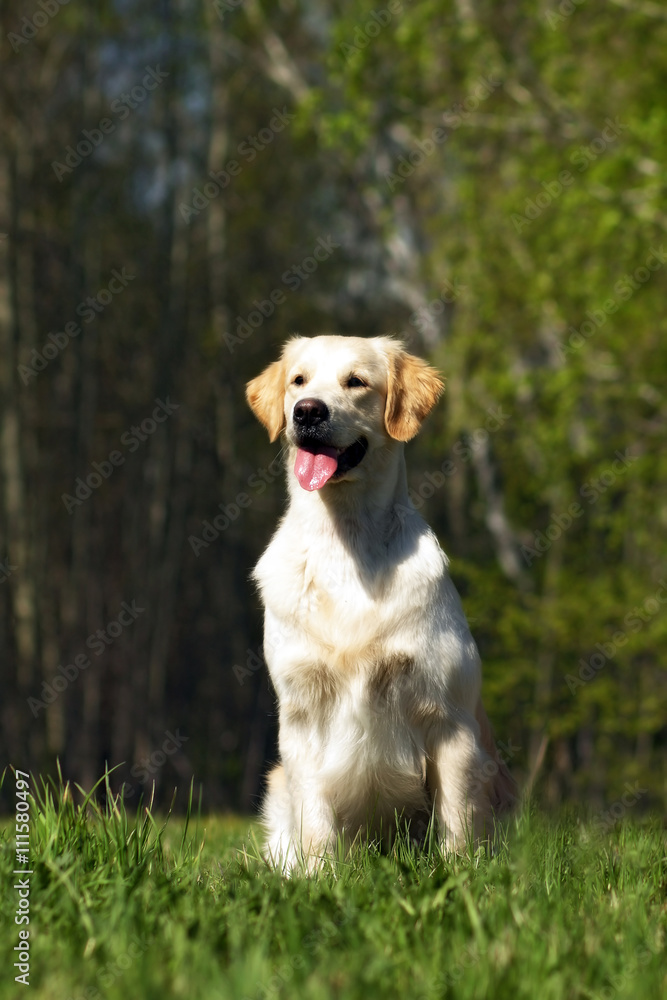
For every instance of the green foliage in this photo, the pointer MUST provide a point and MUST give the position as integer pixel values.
(499, 169)
(545, 203)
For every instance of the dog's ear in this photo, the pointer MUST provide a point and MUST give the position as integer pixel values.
(266, 397)
(412, 391)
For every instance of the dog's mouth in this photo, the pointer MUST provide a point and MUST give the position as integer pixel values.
(317, 463)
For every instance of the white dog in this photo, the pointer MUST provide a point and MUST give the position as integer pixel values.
(377, 675)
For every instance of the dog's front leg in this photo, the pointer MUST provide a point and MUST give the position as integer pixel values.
(281, 848)
(298, 818)
(456, 769)
(313, 816)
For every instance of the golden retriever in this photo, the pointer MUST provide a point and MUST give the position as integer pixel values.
(376, 672)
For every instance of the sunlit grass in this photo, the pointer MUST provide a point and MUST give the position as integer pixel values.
(126, 904)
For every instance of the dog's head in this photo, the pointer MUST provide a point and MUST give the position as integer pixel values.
(341, 399)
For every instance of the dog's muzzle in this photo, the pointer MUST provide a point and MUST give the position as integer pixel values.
(318, 460)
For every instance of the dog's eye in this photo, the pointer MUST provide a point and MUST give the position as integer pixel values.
(299, 380)
(354, 382)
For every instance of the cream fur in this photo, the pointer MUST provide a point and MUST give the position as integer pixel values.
(376, 672)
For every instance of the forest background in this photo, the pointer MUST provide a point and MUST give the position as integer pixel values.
(183, 185)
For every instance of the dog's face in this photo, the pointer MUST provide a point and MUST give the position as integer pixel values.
(340, 401)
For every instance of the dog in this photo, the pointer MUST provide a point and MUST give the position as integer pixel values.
(376, 673)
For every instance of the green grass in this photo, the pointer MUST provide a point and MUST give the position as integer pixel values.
(122, 906)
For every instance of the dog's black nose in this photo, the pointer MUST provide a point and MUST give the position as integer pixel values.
(310, 412)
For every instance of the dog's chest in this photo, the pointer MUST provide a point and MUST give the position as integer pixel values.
(355, 629)
(368, 684)
(358, 737)
(342, 596)
(353, 721)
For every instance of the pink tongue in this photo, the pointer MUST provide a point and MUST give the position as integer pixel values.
(313, 470)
